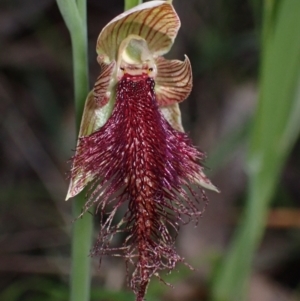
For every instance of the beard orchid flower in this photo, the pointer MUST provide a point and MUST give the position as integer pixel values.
(132, 151)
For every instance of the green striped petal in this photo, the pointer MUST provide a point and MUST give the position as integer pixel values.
(154, 21)
(98, 107)
(100, 101)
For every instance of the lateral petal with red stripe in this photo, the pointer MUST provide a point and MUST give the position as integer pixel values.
(174, 81)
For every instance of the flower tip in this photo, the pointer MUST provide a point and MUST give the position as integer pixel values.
(206, 183)
(212, 187)
(71, 191)
(69, 195)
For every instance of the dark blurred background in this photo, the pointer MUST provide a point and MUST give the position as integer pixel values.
(37, 138)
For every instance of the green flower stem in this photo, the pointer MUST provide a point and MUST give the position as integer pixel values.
(76, 24)
(131, 3)
(81, 4)
(81, 244)
(74, 14)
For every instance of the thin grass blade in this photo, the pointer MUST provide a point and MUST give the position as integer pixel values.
(74, 15)
(273, 135)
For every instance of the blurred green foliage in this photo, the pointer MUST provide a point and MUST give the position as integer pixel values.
(273, 134)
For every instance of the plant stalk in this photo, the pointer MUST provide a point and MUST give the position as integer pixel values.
(74, 14)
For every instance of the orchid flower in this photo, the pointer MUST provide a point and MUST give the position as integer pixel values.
(132, 151)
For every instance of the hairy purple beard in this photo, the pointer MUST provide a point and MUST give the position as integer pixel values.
(137, 157)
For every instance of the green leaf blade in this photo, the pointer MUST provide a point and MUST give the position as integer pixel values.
(273, 135)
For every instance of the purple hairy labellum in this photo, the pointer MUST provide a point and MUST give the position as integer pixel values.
(132, 149)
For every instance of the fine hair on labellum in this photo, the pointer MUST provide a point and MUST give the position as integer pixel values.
(138, 158)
